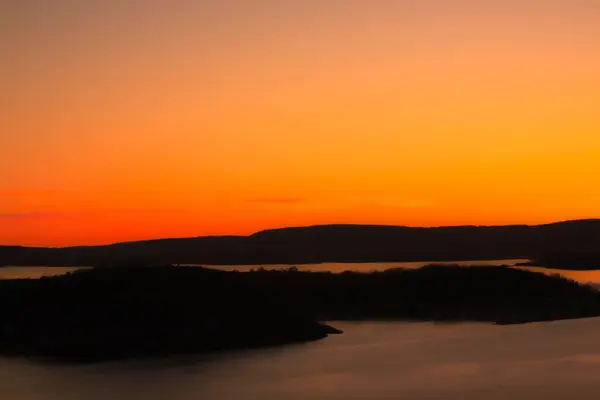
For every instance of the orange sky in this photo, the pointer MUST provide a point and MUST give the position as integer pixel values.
(124, 120)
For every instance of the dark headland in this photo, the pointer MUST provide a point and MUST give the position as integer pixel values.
(576, 261)
(134, 312)
(330, 243)
(111, 313)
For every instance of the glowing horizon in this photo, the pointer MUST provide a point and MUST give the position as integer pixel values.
(176, 119)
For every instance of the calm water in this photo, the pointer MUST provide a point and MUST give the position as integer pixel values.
(580, 276)
(34, 272)
(557, 360)
(364, 267)
(370, 360)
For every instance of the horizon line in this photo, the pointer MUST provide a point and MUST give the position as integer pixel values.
(302, 227)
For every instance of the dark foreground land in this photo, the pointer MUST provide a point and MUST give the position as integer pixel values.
(130, 312)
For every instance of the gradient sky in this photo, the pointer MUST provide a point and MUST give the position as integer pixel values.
(123, 119)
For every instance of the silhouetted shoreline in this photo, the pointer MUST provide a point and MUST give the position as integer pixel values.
(328, 243)
(137, 312)
(100, 314)
(574, 261)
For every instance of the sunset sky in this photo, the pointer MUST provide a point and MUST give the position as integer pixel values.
(124, 120)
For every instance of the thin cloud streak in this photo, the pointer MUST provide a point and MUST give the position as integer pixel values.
(28, 215)
(277, 200)
(62, 214)
(27, 192)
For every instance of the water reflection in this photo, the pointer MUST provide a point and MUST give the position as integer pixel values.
(364, 267)
(34, 272)
(369, 361)
(579, 276)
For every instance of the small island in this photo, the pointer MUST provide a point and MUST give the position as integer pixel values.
(110, 313)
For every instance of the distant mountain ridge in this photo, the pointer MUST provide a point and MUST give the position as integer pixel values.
(330, 243)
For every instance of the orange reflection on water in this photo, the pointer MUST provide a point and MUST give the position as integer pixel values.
(34, 272)
(592, 276)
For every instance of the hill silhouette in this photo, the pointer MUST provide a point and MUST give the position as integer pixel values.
(131, 312)
(329, 243)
